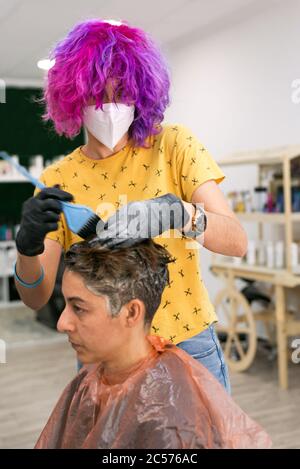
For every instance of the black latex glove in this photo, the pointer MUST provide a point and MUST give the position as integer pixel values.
(40, 215)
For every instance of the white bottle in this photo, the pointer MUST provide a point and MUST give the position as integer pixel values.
(294, 254)
(247, 201)
(251, 253)
(14, 172)
(39, 164)
(237, 260)
(279, 255)
(261, 255)
(270, 254)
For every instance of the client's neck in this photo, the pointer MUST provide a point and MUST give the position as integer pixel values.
(133, 351)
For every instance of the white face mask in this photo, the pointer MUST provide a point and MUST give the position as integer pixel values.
(108, 126)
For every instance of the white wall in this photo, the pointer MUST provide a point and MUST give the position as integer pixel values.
(234, 89)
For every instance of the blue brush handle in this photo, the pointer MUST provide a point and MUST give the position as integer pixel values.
(22, 170)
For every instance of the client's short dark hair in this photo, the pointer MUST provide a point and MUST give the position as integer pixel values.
(122, 274)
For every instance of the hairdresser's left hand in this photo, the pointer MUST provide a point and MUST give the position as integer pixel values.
(143, 219)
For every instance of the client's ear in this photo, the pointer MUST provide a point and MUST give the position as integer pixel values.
(134, 312)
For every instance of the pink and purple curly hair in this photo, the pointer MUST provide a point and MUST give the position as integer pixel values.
(95, 52)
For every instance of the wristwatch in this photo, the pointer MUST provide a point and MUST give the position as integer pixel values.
(199, 222)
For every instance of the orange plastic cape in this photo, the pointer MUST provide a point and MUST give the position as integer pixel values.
(168, 400)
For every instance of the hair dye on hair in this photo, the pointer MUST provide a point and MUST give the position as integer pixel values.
(122, 274)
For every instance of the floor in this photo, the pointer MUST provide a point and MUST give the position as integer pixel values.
(36, 373)
(18, 325)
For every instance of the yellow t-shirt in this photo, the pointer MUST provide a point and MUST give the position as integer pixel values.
(176, 162)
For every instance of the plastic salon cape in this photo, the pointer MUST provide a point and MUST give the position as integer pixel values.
(168, 400)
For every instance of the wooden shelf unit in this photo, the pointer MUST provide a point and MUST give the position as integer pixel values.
(260, 217)
(279, 278)
(266, 158)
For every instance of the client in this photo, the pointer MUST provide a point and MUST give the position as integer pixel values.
(135, 391)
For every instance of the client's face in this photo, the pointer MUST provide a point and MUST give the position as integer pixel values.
(93, 333)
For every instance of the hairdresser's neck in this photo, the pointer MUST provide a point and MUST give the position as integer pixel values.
(97, 151)
(126, 357)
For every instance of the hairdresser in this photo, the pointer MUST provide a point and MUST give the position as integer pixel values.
(111, 79)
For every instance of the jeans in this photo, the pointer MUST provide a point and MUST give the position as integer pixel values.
(206, 349)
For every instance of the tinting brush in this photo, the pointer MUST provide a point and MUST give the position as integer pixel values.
(80, 219)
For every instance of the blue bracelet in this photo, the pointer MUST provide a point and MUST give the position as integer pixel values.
(25, 284)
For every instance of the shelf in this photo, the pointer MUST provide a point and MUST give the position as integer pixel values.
(11, 304)
(254, 268)
(255, 272)
(9, 273)
(13, 179)
(262, 157)
(279, 218)
(7, 244)
(295, 216)
(261, 217)
(249, 268)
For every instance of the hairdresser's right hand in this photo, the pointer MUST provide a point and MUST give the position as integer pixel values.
(40, 215)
